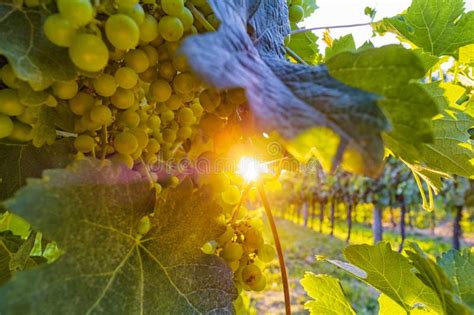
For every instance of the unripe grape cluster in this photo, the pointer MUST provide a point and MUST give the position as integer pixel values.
(135, 99)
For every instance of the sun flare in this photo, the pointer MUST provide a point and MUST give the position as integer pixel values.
(250, 169)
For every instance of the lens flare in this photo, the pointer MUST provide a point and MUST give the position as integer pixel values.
(250, 169)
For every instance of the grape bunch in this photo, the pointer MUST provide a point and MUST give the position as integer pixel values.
(242, 245)
(135, 99)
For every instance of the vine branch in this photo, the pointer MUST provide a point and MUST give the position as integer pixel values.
(304, 30)
(281, 259)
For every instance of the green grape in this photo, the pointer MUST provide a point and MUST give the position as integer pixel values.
(225, 110)
(236, 96)
(171, 28)
(101, 115)
(253, 239)
(183, 83)
(136, 154)
(180, 63)
(251, 275)
(126, 3)
(136, 12)
(10, 103)
(84, 143)
(9, 77)
(59, 30)
(6, 126)
(232, 251)
(65, 90)
(211, 124)
(169, 135)
(88, 52)
(266, 253)
(32, 3)
(231, 195)
(88, 125)
(185, 133)
(129, 118)
(117, 55)
(197, 109)
(226, 236)
(209, 248)
(186, 18)
(51, 101)
(137, 60)
(153, 146)
(122, 31)
(126, 78)
(124, 159)
(123, 99)
(167, 116)
(81, 103)
(29, 116)
(105, 85)
(150, 75)
(259, 285)
(296, 13)
(144, 226)
(21, 132)
(154, 122)
(142, 138)
(172, 7)
(174, 102)
(163, 54)
(213, 20)
(152, 55)
(149, 29)
(210, 99)
(160, 90)
(167, 70)
(287, 40)
(186, 116)
(125, 143)
(78, 12)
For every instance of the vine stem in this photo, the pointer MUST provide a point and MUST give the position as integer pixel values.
(304, 30)
(295, 56)
(200, 17)
(281, 259)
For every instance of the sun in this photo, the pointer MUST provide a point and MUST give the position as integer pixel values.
(250, 169)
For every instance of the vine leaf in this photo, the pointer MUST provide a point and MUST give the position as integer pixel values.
(343, 44)
(92, 211)
(390, 272)
(327, 293)
(20, 161)
(433, 276)
(387, 306)
(452, 150)
(459, 266)
(389, 71)
(300, 102)
(439, 27)
(15, 255)
(305, 45)
(33, 57)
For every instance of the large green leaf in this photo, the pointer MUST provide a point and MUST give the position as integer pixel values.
(290, 98)
(452, 150)
(459, 266)
(34, 58)
(440, 27)
(391, 273)
(20, 161)
(433, 276)
(92, 210)
(389, 71)
(327, 293)
(343, 44)
(387, 306)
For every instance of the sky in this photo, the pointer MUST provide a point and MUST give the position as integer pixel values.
(344, 12)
